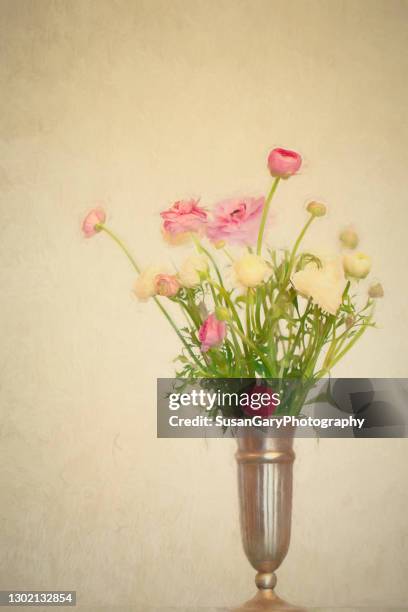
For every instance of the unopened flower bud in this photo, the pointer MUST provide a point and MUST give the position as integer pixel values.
(283, 163)
(222, 314)
(211, 333)
(349, 238)
(376, 291)
(316, 209)
(93, 222)
(219, 244)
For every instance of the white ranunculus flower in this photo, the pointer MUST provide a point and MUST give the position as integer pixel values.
(357, 265)
(193, 270)
(145, 283)
(324, 285)
(251, 270)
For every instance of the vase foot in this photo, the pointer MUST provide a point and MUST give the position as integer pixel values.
(266, 599)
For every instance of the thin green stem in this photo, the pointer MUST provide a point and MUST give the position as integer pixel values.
(237, 345)
(253, 346)
(299, 335)
(348, 346)
(297, 244)
(201, 249)
(265, 214)
(120, 244)
(174, 326)
(321, 336)
(229, 303)
(248, 305)
(331, 348)
(161, 307)
(228, 254)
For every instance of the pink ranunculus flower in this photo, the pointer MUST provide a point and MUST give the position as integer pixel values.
(166, 285)
(95, 217)
(236, 221)
(283, 163)
(184, 216)
(212, 332)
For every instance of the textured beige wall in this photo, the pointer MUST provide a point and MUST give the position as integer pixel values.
(137, 103)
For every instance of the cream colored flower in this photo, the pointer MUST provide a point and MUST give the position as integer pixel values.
(349, 238)
(356, 265)
(251, 270)
(145, 285)
(324, 285)
(193, 270)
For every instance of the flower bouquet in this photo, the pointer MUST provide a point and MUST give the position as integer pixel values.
(263, 312)
(257, 312)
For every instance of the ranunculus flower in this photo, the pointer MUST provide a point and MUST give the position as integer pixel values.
(236, 221)
(324, 285)
(166, 285)
(283, 163)
(184, 216)
(212, 332)
(145, 285)
(356, 265)
(349, 238)
(251, 270)
(192, 270)
(95, 217)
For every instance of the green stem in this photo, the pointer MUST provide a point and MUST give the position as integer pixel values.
(321, 336)
(348, 347)
(265, 214)
(238, 350)
(228, 254)
(121, 245)
(253, 346)
(229, 303)
(211, 258)
(248, 312)
(299, 335)
(162, 308)
(196, 321)
(297, 244)
(201, 249)
(331, 348)
(174, 326)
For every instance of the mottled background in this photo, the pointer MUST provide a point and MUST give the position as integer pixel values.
(136, 104)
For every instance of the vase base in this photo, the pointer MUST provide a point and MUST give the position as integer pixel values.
(266, 599)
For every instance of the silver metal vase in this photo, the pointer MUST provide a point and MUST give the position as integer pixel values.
(265, 502)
